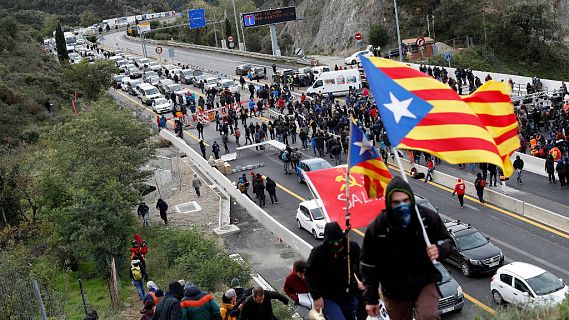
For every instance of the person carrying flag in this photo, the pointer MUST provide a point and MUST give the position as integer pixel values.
(394, 254)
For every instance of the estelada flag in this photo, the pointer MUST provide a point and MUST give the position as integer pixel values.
(329, 185)
(424, 114)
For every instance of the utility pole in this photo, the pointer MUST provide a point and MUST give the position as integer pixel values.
(484, 23)
(434, 34)
(215, 34)
(236, 25)
(398, 32)
(428, 26)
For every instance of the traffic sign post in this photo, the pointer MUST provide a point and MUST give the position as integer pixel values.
(359, 38)
(230, 38)
(197, 18)
(158, 50)
(420, 42)
(448, 57)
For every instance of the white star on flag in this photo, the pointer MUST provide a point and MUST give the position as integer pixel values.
(364, 145)
(399, 108)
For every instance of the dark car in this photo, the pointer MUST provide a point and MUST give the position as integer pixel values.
(471, 251)
(451, 295)
(243, 69)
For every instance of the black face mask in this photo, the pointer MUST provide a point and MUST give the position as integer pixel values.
(336, 246)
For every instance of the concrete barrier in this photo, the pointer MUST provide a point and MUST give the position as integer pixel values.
(497, 198)
(298, 244)
(531, 164)
(224, 51)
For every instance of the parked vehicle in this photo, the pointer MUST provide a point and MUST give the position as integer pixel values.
(154, 66)
(161, 105)
(153, 80)
(336, 82)
(312, 164)
(147, 93)
(134, 73)
(228, 84)
(527, 286)
(174, 72)
(210, 83)
(310, 217)
(174, 87)
(163, 83)
(471, 251)
(355, 59)
(243, 69)
(186, 76)
(132, 86)
(141, 62)
(196, 79)
(320, 70)
(124, 83)
(451, 294)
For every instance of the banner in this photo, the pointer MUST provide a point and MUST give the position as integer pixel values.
(329, 185)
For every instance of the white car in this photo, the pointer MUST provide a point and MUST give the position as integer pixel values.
(210, 83)
(228, 84)
(527, 286)
(161, 105)
(309, 216)
(354, 59)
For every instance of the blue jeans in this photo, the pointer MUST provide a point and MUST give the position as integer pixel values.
(340, 311)
(145, 220)
(139, 285)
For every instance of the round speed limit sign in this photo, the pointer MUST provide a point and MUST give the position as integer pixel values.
(159, 50)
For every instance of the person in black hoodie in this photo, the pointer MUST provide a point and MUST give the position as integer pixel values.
(331, 286)
(169, 307)
(395, 255)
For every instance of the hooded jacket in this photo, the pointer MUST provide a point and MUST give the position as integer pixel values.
(198, 305)
(397, 258)
(327, 269)
(169, 307)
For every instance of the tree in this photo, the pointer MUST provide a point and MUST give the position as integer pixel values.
(60, 44)
(88, 18)
(92, 78)
(378, 37)
(50, 24)
(90, 182)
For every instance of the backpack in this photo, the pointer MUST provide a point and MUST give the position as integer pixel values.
(482, 183)
(284, 155)
(136, 273)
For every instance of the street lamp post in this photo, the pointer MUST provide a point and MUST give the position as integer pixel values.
(236, 25)
(398, 32)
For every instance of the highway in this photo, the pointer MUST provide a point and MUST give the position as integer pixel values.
(519, 240)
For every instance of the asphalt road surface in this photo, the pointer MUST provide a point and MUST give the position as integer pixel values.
(520, 239)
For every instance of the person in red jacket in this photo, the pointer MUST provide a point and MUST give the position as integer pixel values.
(295, 283)
(459, 190)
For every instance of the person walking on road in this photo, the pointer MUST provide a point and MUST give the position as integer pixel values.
(459, 190)
(259, 190)
(550, 168)
(202, 149)
(519, 166)
(162, 206)
(225, 140)
(333, 282)
(480, 184)
(242, 82)
(237, 136)
(272, 190)
(562, 172)
(243, 185)
(199, 128)
(215, 149)
(161, 122)
(430, 169)
(197, 183)
(395, 257)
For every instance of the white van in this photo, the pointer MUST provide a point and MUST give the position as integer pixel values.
(320, 70)
(337, 83)
(147, 93)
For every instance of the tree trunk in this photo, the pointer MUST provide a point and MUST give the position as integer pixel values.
(113, 286)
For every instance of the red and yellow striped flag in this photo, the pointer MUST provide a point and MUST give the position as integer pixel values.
(424, 114)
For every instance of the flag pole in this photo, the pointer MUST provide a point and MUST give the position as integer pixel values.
(348, 226)
(404, 176)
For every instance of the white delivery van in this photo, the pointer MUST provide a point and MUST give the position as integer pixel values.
(336, 82)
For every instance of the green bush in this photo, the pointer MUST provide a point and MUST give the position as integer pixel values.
(192, 255)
